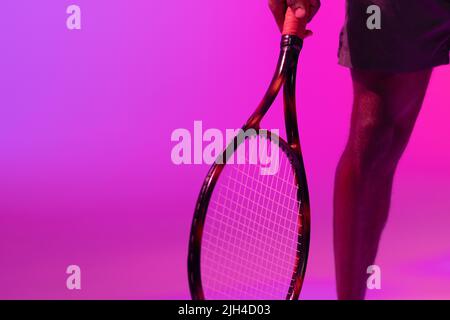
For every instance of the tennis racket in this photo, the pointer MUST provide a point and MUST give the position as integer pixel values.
(250, 232)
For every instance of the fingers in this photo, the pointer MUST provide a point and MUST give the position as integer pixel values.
(278, 8)
(308, 33)
(314, 6)
(300, 7)
(304, 9)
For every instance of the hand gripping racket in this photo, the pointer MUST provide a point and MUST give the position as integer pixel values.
(250, 232)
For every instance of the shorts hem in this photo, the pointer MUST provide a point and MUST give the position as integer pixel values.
(397, 68)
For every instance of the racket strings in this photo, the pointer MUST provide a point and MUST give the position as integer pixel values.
(250, 238)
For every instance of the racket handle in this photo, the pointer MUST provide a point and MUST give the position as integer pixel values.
(292, 25)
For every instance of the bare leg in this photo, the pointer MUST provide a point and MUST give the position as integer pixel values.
(385, 109)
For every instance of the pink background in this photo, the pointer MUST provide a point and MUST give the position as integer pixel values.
(85, 123)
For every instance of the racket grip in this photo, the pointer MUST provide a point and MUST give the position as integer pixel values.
(292, 25)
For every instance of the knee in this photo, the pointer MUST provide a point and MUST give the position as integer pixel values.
(376, 141)
(384, 113)
(370, 148)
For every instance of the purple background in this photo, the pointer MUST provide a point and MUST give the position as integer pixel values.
(85, 123)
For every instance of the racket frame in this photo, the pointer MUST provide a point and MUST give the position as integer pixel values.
(285, 76)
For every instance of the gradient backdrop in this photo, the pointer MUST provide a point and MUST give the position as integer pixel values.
(86, 117)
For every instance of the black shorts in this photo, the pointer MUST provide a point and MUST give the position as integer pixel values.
(414, 35)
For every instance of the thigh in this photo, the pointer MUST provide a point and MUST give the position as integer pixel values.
(385, 109)
(391, 97)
